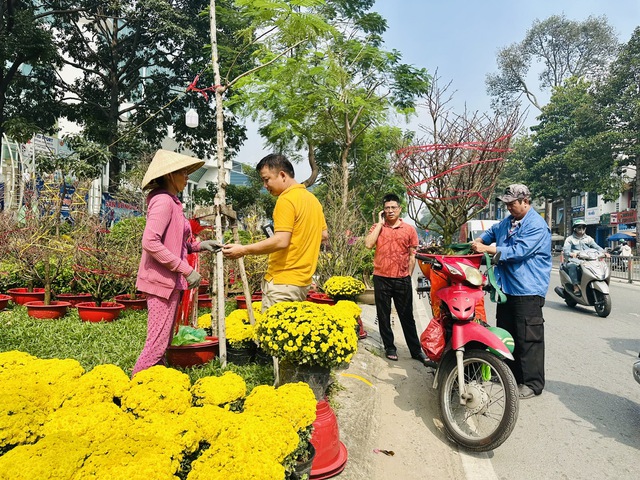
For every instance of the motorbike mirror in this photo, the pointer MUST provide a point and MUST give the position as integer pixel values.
(496, 258)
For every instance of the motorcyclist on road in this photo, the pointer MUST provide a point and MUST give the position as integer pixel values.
(577, 242)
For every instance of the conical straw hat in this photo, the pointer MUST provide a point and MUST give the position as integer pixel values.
(166, 161)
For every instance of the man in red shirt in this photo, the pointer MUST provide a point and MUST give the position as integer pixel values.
(395, 242)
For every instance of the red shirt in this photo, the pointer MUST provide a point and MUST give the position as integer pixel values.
(393, 248)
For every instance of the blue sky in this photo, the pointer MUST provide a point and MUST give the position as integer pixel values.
(460, 38)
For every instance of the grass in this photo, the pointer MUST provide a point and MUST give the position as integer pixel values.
(119, 343)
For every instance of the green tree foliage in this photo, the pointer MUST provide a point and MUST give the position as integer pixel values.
(572, 147)
(335, 90)
(620, 98)
(134, 62)
(29, 102)
(564, 48)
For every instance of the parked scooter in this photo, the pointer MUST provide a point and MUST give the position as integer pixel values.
(477, 392)
(636, 370)
(594, 283)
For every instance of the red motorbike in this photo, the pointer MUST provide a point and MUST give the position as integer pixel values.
(477, 392)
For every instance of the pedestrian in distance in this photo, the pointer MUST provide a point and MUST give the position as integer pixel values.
(299, 230)
(523, 272)
(575, 243)
(394, 260)
(164, 272)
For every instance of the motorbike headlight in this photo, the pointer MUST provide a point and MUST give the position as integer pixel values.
(472, 275)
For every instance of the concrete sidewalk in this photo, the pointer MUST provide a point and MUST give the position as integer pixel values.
(387, 405)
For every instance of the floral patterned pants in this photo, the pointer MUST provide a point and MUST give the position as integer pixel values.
(161, 316)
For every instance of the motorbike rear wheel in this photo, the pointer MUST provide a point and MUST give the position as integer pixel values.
(603, 303)
(489, 416)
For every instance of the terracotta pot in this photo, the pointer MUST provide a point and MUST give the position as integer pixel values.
(184, 356)
(139, 303)
(4, 301)
(107, 312)
(21, 296)
(241, 300)
(55, 309)
(204, 301)
(321, 298)
(74, 298)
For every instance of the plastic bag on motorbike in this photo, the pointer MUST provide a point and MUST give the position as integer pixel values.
(432, 339)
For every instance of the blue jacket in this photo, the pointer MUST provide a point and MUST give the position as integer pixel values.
(525, 255)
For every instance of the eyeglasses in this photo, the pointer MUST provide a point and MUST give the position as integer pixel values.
(391, 208)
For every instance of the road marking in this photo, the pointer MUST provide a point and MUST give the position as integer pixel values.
(477, 465)
(357, 377)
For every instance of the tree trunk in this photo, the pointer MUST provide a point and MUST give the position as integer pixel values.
(313, 164)
(344, 166)
(221, 194)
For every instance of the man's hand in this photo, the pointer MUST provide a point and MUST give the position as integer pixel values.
(193, 279)
(381, 216)
(479, 247)
(233, 250)
(210, 246)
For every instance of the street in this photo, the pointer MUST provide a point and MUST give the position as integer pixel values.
(586, 424)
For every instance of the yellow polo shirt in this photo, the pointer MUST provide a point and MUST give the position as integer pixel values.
(299, 212)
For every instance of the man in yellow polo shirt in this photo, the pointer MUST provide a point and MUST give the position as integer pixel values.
(300, 228)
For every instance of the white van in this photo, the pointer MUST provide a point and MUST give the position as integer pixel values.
(474, 228)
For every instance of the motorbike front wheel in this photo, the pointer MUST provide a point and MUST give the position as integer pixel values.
(490, 414)
(603, 303)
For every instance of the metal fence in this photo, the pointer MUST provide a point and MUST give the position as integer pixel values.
(624, 268)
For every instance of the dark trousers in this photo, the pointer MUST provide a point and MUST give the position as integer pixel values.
(521, 316)
(573, 270)
(401, 291)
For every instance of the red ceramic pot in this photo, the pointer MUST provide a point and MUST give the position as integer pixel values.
(4, 301)
(184, 356)
(74, 298)
(321, 298)
(55, 309)
(331, 454)
(204, 301)
(21, 296)
(107, 312)
(139, 303)
(241, 300)
(203, 288)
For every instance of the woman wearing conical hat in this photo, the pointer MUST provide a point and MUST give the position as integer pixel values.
(164, 272)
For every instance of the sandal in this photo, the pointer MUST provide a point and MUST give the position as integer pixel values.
(392, 356)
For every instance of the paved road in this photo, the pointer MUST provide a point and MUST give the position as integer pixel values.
(585, 425)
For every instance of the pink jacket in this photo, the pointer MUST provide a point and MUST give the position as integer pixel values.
(165, 244)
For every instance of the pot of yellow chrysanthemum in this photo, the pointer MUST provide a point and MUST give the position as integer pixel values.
(241, 345)
(309, 340)
(343, 287)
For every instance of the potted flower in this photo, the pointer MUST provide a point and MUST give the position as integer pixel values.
(99, 267)
(343, 288)
(191, 347)
(126, 237)
(38, 246)
(241, 345)
(309, 340)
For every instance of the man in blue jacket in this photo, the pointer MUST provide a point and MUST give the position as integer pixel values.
(523, 273)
